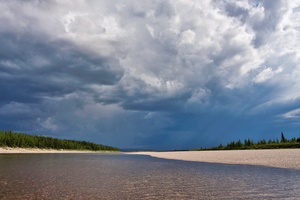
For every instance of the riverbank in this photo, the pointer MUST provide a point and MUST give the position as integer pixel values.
(280, 158)
(9, 150)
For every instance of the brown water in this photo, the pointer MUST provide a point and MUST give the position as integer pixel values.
(117, 176)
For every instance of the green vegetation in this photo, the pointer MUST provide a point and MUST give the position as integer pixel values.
(12, 139)
(261, 144)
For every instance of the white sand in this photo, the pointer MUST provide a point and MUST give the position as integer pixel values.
(281, 158)
(4, 150)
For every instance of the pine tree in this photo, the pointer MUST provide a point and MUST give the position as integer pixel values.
(283, 139)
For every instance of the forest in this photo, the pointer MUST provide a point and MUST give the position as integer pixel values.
(22, 140)
(261, 144)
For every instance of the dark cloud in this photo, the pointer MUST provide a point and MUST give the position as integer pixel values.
(32, 68)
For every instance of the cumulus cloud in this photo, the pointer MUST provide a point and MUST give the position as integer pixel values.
(266, 74)
(48, 124)
(168, 58)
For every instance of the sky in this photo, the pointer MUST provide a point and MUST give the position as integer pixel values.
(153, 74)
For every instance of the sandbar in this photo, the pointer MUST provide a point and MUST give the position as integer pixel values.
(279, 158)
(9, 150)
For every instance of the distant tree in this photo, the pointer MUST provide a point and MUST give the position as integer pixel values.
(293, 140)
(283, 139)
(271, 141)
(261, 144)
(11, 139)
(263, 141)
(238, 144)
(248, 142)
(245, 142)
(220, 146)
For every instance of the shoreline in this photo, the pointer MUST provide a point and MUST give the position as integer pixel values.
(13, 150)
(278, 158)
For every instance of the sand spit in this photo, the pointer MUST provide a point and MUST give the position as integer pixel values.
(280, 158)
(5, 150)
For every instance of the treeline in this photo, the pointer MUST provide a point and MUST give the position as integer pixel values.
(261, 144)
(22, 140)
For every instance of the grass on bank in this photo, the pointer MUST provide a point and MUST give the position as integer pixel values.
(22, 140)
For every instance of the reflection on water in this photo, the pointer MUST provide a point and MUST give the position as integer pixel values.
(117, 176)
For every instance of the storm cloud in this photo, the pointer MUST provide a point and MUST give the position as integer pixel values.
(150, 74)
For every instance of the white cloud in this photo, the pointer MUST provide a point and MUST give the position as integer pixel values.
(48, 124)
(15, 108)
(199, 96)
(150, 29)
(190, 43)
(294, 114)
(266, 74)
(188, 37)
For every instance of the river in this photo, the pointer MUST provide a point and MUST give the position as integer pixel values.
(121, 176)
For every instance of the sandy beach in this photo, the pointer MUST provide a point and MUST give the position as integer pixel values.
(280, 158)
(9, 150)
